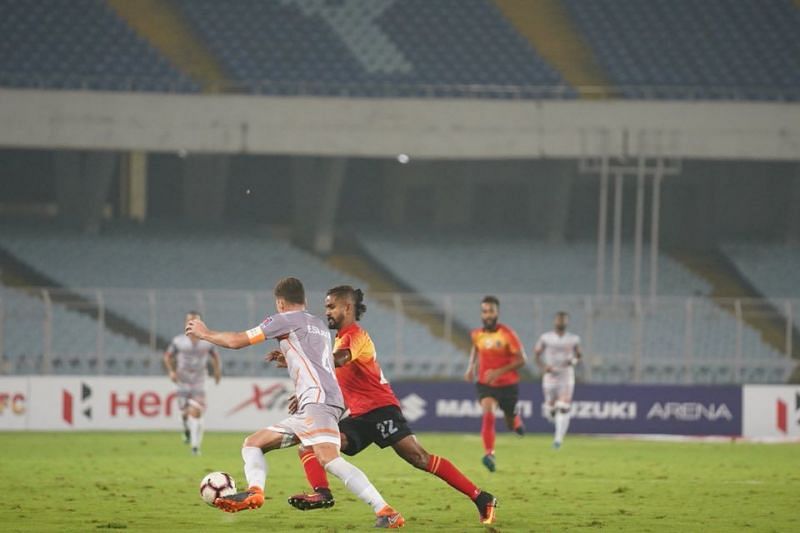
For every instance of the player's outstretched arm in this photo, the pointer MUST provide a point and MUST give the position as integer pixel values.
(537, 352)
(342, 357)
(170, 364)
(226, 339)
(277, 357)
(215, 363)
(578, 355)
(469, 375)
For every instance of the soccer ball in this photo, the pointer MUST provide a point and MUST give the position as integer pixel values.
(216, 485)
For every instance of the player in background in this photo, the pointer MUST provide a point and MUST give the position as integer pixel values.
(557, 353)
(499, 354)
(375, 415)
(186, 359)
(305, 350)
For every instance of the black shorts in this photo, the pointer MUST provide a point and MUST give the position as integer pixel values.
(507, 397)
(384, 426)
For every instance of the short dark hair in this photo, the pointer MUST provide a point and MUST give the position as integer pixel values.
(291, 290)
(355, 295)
(192, 312)
(562, 313)
(489, 299)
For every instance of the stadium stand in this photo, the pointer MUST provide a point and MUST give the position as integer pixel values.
(748, 49)
(372, 48)
(169, 271)
(76, 340)
(186, 273)
(773, 269)
(609, 330)
(80, 44)
(412, 48)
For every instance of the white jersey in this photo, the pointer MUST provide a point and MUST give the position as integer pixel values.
(305, 342)
(191, 360)
(559, 352)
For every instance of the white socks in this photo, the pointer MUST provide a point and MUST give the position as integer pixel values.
(195, 431)
(255, 466)
(356, 482)
(562, 424)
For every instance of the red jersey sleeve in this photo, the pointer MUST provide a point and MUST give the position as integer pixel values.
(344, 342)
(514, 344)
(474, 335)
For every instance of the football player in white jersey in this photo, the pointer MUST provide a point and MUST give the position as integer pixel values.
(557, 353)
(186, 359)
(307, 353)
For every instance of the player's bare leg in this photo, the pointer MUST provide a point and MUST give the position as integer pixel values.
(186, 433)
(255, 469)
(514, 422)
(488, 405)
(356, 482)
(412, 451)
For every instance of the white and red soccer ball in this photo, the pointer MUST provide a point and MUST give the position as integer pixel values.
(216, 485)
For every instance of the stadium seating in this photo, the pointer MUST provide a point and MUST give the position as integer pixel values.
(747, 49)
(151, 277)
(773, 269)
(609, 330)
(228, 277)
(79, 44)
(75, 340)
(674, 49)
(371, 47)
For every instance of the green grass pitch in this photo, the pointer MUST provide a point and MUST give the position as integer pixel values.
(149, 482)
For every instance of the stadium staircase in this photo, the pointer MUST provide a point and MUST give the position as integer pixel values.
(164, 27)
(549, 29)
(727, 283)
(357, 262)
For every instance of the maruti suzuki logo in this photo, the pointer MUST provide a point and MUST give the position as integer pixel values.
(413, 407)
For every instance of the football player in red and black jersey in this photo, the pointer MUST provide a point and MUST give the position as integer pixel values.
(499, 354)
(375, 415)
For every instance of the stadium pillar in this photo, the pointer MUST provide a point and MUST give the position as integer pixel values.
(316, 187)
(638, 233)
(793, 226)
(602, 222)
(394, 197)
(453, 196)
(205, 179)
(559, 199)
(655, 229)
(133, 186)
(83, 180)
(617, 245)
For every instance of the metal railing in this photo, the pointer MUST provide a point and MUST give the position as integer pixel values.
(626, 339)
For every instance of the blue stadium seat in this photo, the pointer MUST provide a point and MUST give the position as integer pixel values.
(712, 49)
(418, 43)
(79, 44)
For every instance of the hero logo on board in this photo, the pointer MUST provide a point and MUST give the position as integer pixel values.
(68, 404)
(782, 414)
